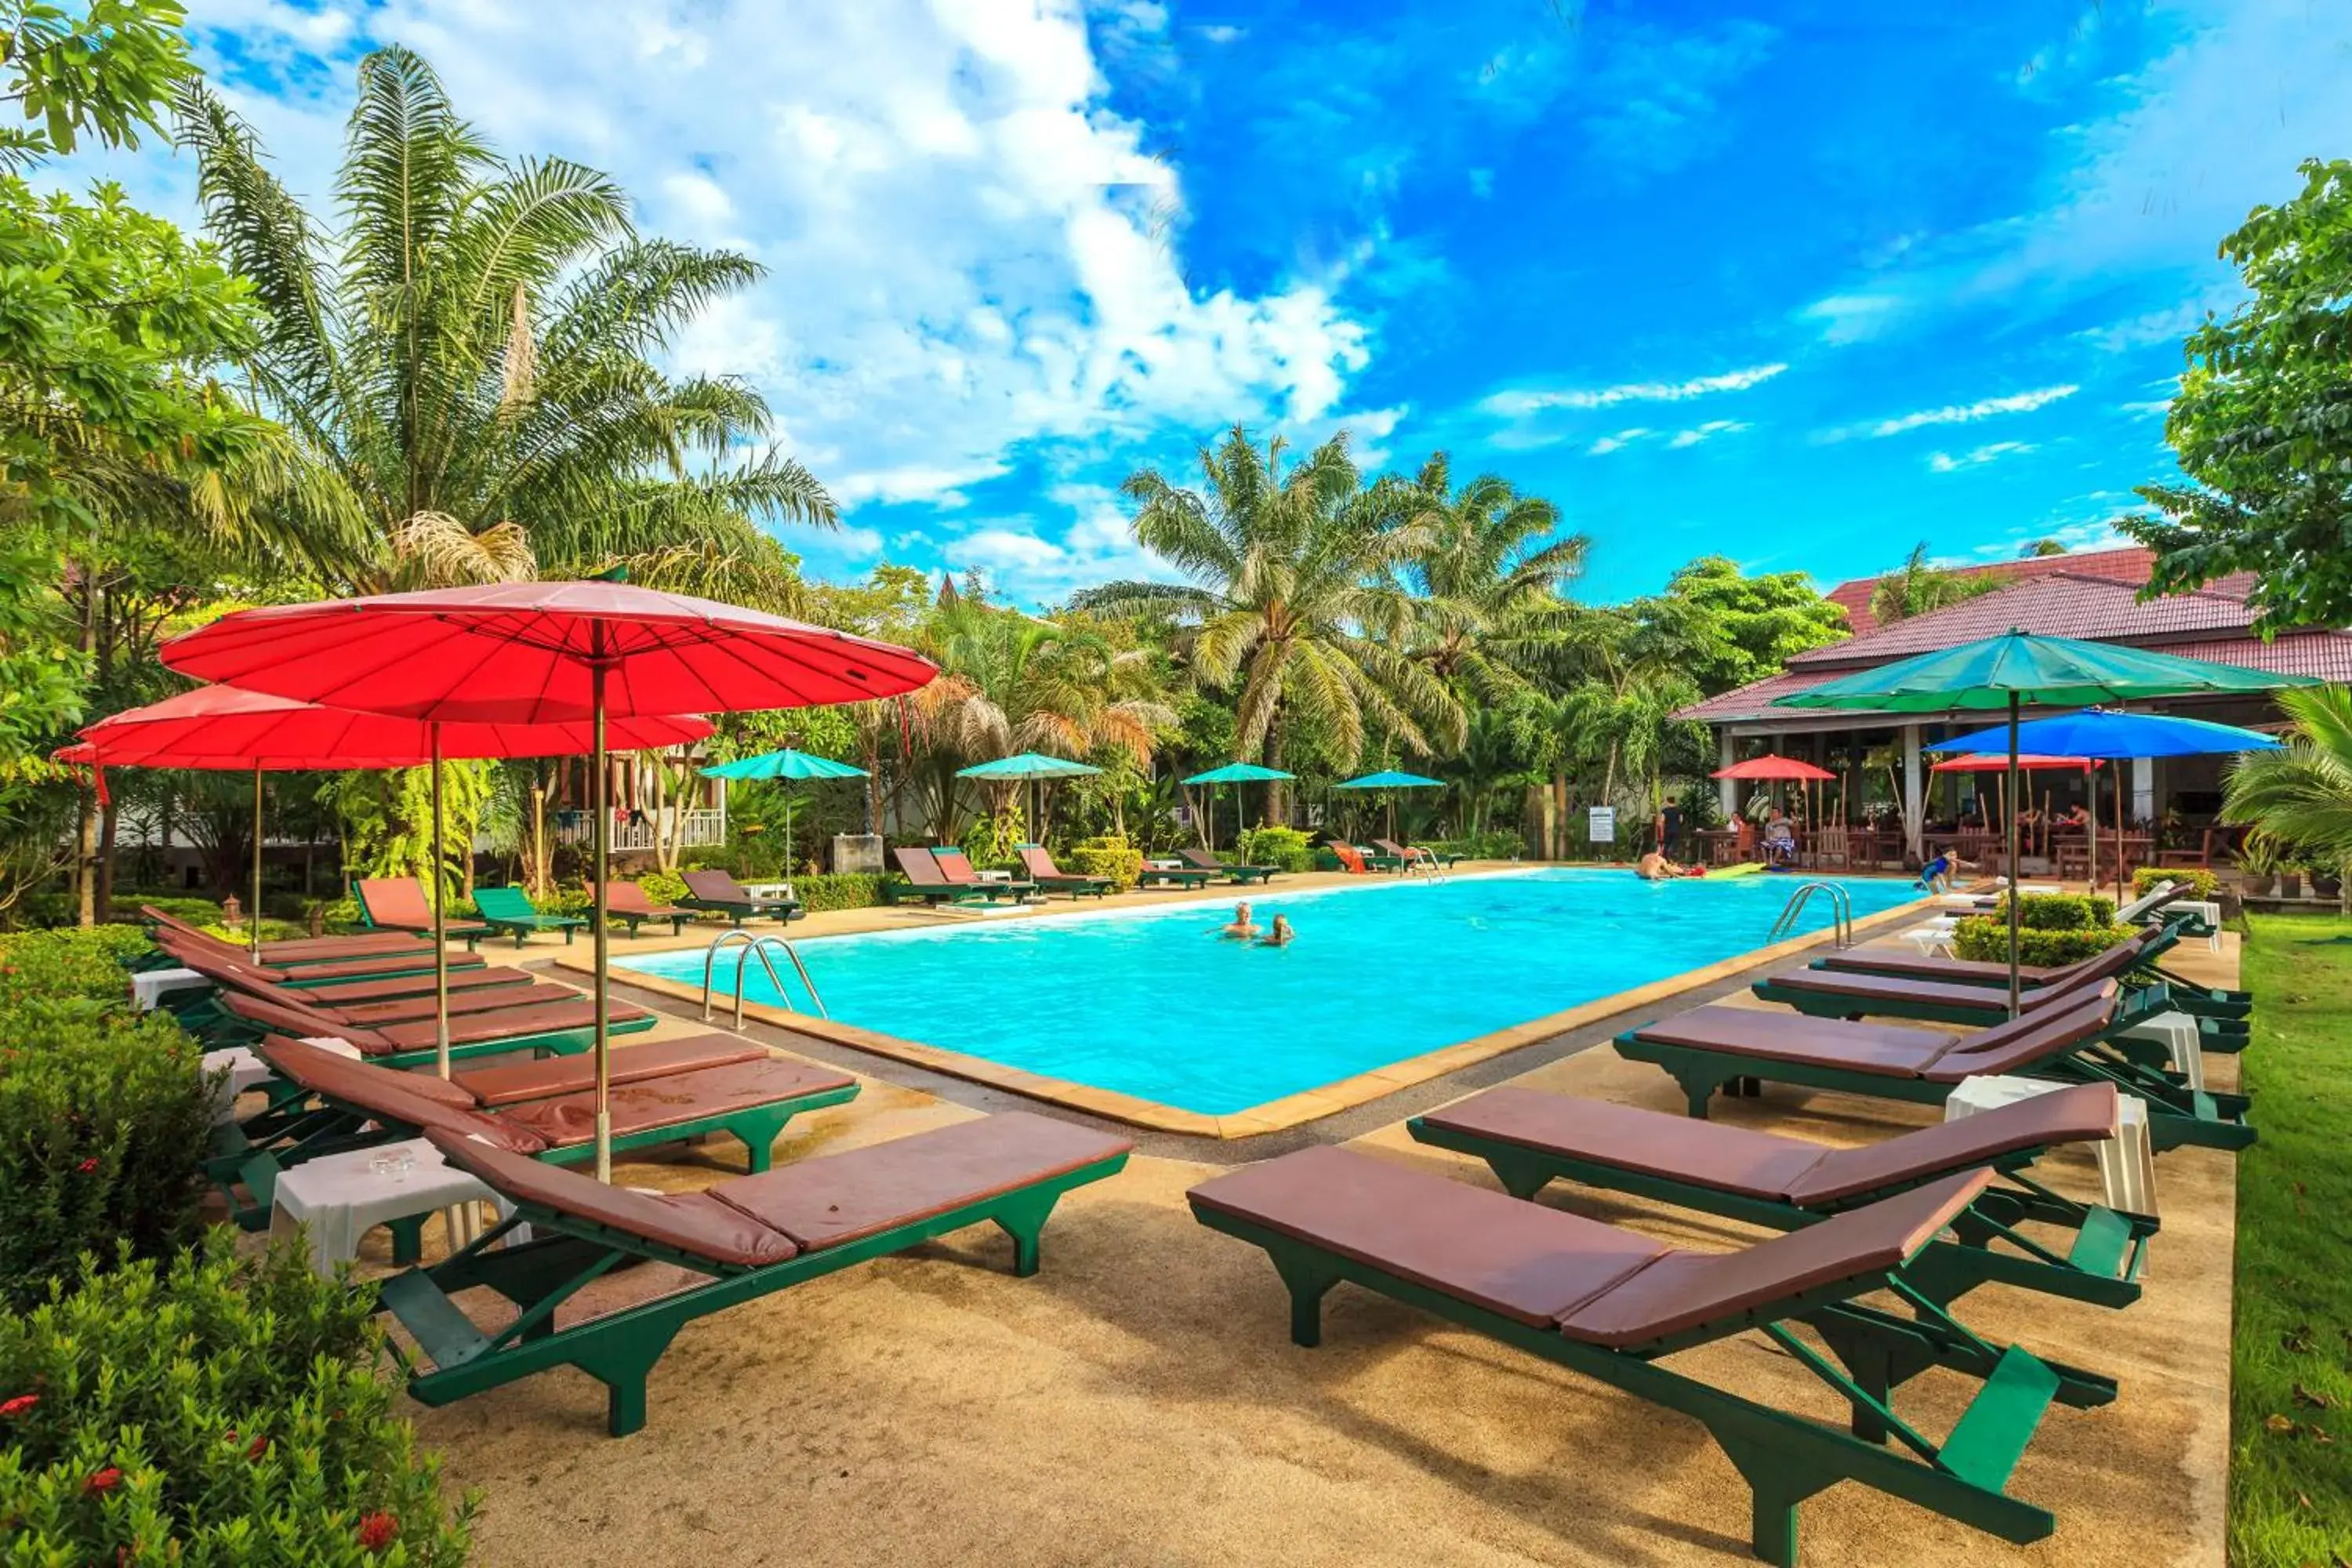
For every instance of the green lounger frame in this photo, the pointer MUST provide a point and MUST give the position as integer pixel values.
(296, 1125)
(510, 912)
(1784, 1459)
(620, 1349)
(2103, 1266)
(471, 932)
(1186, 877)
(2215, 1002)
(2177, 1116)
(236, 1030)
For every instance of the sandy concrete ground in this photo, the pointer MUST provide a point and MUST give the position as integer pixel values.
(1140, 1402)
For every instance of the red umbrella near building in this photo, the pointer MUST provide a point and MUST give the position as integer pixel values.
(1771, 765)
(2028, 761)
(540, 652)
(223, 728)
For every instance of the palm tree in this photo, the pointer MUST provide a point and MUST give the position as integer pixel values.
(1295, 595)
(465, 360)
(1920, 586)
(1488, 576)
(2302, 796)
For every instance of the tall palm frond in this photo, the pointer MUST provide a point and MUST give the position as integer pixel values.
(2302, 795)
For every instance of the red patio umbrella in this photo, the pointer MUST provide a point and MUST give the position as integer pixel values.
(1772, 765)
(223, 728)
(536, 652)
(2027, 762)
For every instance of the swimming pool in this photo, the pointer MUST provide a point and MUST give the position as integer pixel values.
(1149, 1002)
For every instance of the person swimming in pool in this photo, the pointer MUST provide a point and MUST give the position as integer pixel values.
(1243, 928)
(1279, 934)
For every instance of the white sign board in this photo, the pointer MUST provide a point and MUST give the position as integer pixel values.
(1602, 823)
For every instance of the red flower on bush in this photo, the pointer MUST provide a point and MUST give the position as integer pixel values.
(260, 1447)
(18, 1405)
(87, 1167)
(377, 1530)
(106, 1480)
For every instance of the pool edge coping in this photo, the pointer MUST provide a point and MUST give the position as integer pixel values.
(1290, 1111)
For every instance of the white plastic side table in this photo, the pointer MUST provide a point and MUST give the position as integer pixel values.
(2126, 1161)
(341, 1198)
(149, 986)
(2177, 1033)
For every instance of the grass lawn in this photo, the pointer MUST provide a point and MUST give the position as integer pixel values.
(2291, 1361)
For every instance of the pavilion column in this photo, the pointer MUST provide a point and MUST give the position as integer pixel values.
(1728, 790)
(2143, 789)
(1914, 814)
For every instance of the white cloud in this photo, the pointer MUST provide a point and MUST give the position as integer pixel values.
(970, 254)
(1712, 429)
(2154, 327)
(2152, 407)
(1851, 318)
(1608, 444)
(1969, 413)
(1945, 463)
(1021, 557)
(1519, 403)
(1481, 182)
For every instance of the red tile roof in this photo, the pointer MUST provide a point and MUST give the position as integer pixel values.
(2126, 566)
(2211, 624)
(2057, 603)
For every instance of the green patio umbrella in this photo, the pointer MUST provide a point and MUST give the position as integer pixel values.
(2018, 669)
(1028, 767)
(785, 764)
(1239, 773)
(1390, 779)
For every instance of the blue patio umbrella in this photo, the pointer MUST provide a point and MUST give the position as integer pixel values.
(1390, 779)
(1239, 773)
(785, 764)
(2102, 732)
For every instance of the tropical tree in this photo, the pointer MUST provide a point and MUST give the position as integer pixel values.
(1919, 586)
(1488, 574)
(2302, 796)
(1734, 628)
(1295, 599)
(466, 357)
(2040, 549)
(2262, 422)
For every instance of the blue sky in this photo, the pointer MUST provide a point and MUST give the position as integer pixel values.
(1803, 282)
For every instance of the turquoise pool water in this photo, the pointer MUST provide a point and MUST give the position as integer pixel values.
(1149, 1002)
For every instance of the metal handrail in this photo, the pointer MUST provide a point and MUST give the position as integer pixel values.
(1841, 913)
(759, 943)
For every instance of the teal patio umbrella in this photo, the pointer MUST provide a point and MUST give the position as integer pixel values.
(1026, 768)
(1392, 779)
(2018, 669)
(1239, 773)
(785, 764)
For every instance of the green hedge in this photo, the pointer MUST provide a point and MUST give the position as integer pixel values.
(662, 887)
(837, 890)
(1488, 846)
(1284, 849)
(1110, 857)
(102, 1113)
(2202, 884)
(217, 1411)
(1985, 937)
(2059, 911)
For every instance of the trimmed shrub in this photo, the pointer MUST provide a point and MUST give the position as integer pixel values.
(2202, 884)
(1285, 849)
(662, 887)
(836, 890)
(1985, 937)
(1110, 857)
(1493, 844)
(215, 1412)
(2059, 911)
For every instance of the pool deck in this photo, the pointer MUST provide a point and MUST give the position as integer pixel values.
(1139, 1402)
(1271, 1116)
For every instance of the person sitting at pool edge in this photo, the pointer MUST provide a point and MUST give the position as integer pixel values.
(1656, 867)
(1278, 934)
(1243, 928)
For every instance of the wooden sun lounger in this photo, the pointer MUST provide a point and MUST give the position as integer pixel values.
(661, 1093)
(2071, 1040)
(1409, 853)
(1038, 862)
(560, 1028)
(1239, 876)
(1613, 1305)
(329, 985)
(2204, 1001)
(628, 902)
(390, 969)
(398, 903)
(718, 893)
(924, 879)
(956, 867)
(745, 1237)
(365, 1005)
(300, 951)
(1530, 1139)
(1186, 877)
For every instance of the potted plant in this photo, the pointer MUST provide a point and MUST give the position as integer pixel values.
(2258, 864)
(2290, 877)
(2326, 877)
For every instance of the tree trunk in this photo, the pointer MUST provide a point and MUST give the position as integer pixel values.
(1558, 839)
(1276, 800)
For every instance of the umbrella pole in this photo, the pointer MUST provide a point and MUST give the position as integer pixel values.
(2095, 825)
(253, 916)
(601, 840)
(440, 918)
(2015, 897)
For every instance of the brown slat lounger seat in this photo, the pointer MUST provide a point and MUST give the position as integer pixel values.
(297, 951)
(1038, 862)
(470, 981)
(956, 867)
(1529, 1139)
(389, 969)
(1613, 1304)
(561, 1026)
(398, 903)
(628, 902)
(1835, 993)
(747, 1236)
(717, 891)
(2072, 1036)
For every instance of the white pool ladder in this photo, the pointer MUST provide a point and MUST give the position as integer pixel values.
(1841, 909)
(757, 942)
